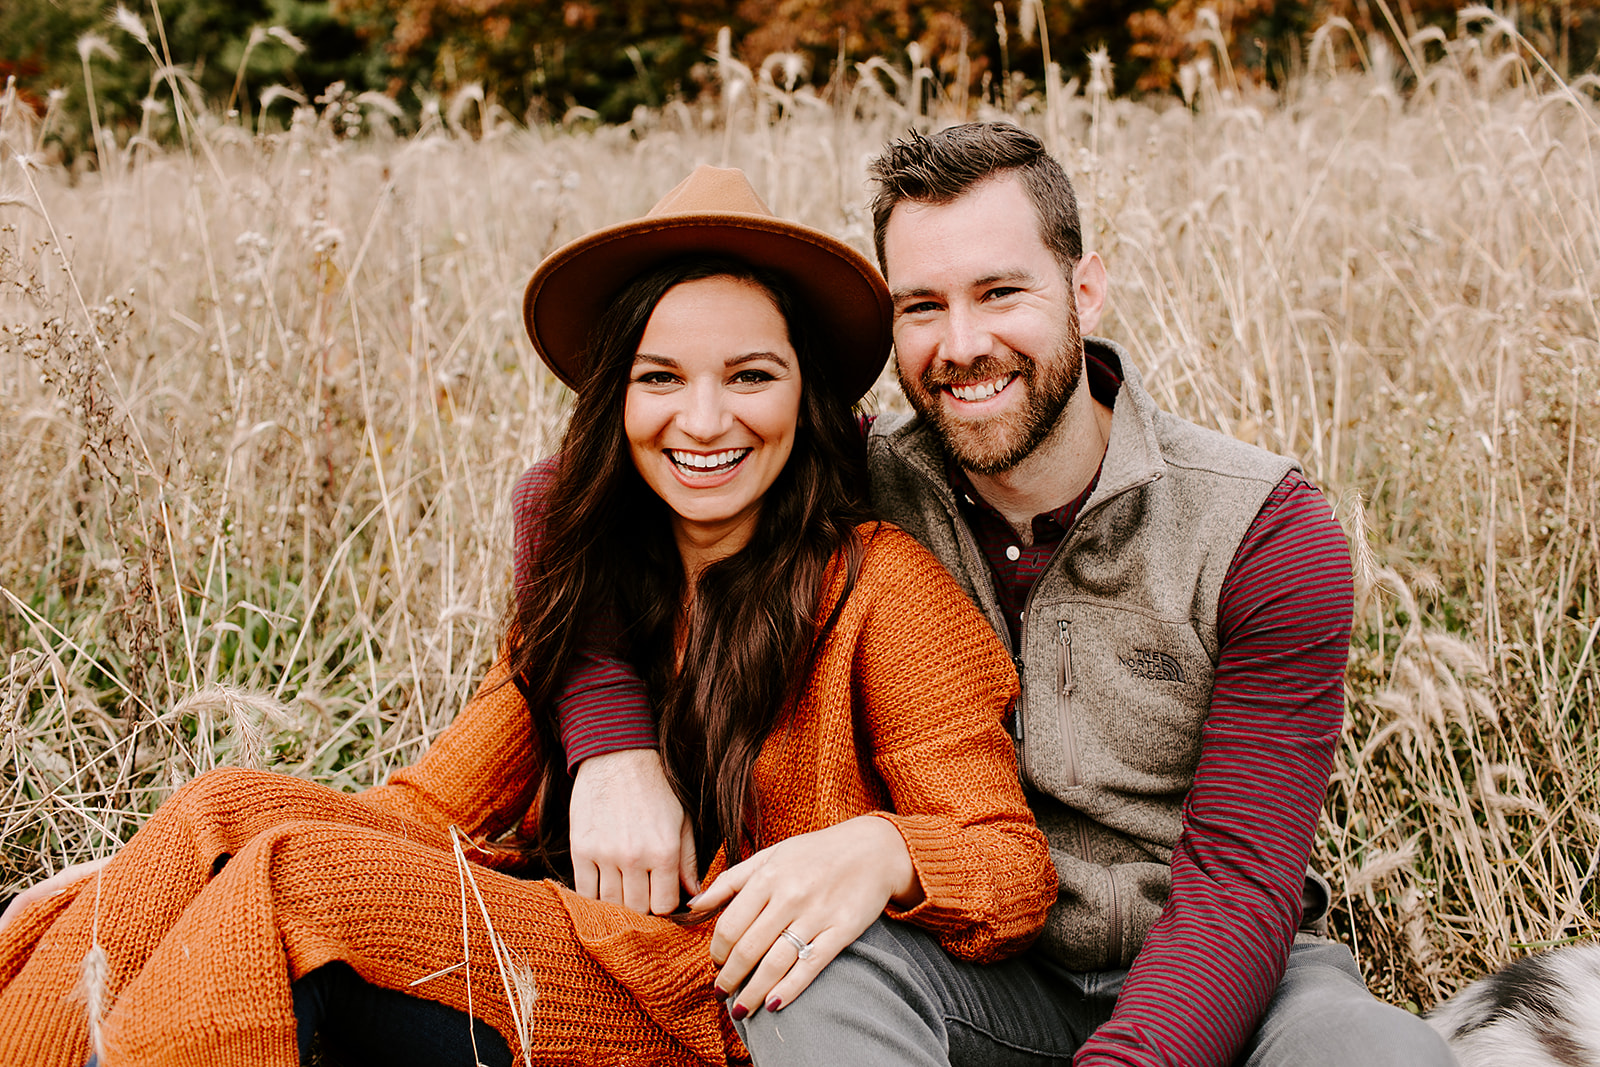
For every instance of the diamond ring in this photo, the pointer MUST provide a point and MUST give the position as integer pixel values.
(802, 948)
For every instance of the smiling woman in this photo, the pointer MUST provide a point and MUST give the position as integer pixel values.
(828, 703)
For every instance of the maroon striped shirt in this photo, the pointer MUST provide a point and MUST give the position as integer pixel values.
(1208, 967)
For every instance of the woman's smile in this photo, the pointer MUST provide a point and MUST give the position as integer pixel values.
(699, 468)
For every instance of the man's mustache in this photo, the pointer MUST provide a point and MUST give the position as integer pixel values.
(982, 369)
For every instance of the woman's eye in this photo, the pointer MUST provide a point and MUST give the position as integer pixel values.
(752, 377)
(654, 377)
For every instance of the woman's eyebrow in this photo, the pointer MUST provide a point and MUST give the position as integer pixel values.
(751, 357)
(732, 361)
(645, 357)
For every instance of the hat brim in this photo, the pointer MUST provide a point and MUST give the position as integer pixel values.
(840, 291)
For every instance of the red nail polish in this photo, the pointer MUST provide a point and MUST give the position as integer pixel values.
(774, 1004)
(720, 993)
(739, 1012)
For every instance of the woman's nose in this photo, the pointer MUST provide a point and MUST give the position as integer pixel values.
(705, 415)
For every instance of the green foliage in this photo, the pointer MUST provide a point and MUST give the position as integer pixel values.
(540, 59)
(73, 47)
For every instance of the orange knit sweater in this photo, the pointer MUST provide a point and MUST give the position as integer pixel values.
(245, 880)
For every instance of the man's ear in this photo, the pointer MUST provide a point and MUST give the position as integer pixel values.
(1090, 290)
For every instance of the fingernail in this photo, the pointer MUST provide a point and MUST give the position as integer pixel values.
(693, 901)
(774, 1004)
(720, 993)
(739, 1012)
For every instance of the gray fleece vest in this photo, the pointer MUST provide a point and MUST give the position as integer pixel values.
(1119, 645)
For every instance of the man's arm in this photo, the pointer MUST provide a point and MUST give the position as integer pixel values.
(1212, 961)
(631, 841)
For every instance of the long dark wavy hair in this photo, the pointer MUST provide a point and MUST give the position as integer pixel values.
(607, 567)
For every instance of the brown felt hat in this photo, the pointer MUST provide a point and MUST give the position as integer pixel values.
(715, 211)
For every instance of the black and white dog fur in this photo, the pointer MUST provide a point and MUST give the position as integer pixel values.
(1541, 1011)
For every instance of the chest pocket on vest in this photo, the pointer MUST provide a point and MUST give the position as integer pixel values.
(1141, 688)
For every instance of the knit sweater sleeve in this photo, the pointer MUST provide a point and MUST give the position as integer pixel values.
(479, 774)
(933, 686)
(1210, 964)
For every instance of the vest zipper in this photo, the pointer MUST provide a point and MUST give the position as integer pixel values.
(1114, 939)
(1069, 741)
(1016, 723)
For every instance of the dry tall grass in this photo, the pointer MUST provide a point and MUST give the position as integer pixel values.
(264, 397)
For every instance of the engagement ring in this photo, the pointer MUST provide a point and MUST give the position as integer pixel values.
(803, 948)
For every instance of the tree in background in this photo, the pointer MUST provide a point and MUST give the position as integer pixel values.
(543, 57)
(1264, 40)
(540, 59)
(220, 47)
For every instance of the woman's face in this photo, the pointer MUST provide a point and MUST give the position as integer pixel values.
(712, 405)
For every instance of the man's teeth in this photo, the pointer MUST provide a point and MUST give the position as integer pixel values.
(698, 462)
(980, 390)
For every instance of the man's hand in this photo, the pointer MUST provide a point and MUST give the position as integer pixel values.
(824, 888)
(56, 883)
(632, 843)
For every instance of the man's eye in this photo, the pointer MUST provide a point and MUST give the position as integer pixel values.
(1000, 292)
(919, 309)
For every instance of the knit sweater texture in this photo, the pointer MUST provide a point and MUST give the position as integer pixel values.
(244, 880)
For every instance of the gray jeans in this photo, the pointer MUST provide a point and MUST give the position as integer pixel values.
(896, 998)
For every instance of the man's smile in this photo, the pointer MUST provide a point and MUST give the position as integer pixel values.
(975, 392)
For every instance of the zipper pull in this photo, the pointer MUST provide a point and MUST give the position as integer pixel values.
(1064, 659)
(1016, 707)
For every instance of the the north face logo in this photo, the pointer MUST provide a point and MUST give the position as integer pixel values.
(1157, 666)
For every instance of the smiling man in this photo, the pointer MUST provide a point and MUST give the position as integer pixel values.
(1178, 606)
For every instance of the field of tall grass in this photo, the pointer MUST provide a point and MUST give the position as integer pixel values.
(263, 395)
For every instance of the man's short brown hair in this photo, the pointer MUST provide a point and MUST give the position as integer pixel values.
(945, 166)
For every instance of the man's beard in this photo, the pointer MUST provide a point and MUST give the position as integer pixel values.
(997, 444)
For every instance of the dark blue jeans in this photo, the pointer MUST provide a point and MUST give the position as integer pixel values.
(364, 1025)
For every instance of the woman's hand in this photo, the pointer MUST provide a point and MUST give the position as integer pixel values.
(825, 888)
(632, 844)
(57, 882)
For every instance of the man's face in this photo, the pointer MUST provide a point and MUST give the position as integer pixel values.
(986, 335)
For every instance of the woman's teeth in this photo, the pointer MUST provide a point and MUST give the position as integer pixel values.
(705, 464)
(980, 390)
